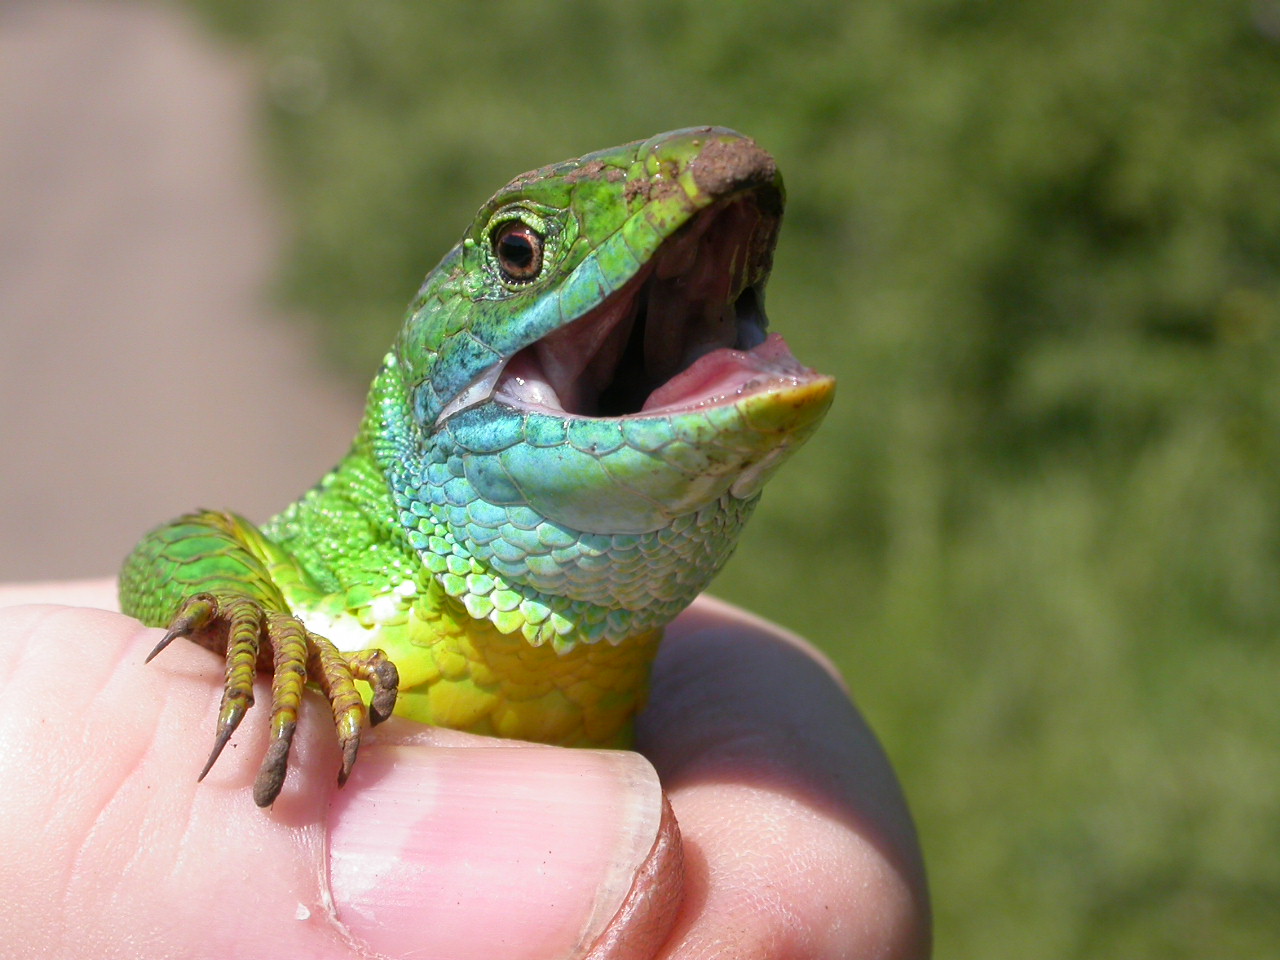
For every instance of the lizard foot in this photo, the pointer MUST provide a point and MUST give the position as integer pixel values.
(253, 637)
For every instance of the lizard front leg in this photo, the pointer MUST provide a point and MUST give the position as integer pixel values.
(213, 578)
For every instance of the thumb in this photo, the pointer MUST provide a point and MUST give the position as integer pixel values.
(111, 849)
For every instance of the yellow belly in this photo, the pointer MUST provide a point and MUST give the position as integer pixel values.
(483, 681)
(462, 673)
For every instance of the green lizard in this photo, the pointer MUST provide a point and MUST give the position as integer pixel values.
(556, 456)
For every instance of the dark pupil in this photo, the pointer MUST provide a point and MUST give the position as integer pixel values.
(516, 251)
(519, 250)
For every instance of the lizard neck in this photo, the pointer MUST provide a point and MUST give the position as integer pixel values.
(524, 574)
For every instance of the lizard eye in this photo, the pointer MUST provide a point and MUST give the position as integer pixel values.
(518, 248)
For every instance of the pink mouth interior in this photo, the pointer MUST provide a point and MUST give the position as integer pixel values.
(720, 376)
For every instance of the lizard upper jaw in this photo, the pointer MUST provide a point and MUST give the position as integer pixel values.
(687, 331)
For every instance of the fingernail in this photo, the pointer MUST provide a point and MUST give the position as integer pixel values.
(488, 852)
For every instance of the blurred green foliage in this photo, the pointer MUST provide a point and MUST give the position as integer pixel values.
(1038, 243)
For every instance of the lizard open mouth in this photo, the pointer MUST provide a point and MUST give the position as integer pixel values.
(687, 331)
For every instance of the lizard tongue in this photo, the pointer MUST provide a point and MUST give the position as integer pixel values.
(726, 373)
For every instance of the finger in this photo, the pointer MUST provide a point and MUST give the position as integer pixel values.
(99, 594)
(512, 851)
(784, 799)
(544, 846)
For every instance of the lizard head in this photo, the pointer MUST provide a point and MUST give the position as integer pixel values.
(585, 400)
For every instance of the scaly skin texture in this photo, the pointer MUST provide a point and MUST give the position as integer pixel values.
(516, 557)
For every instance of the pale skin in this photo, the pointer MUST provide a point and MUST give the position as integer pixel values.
(796, 839)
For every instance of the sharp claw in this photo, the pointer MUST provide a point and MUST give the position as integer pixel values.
(220, 741)
(180, 630)
(229, 718)
(272, 772)
(349, 749)
(195, 611)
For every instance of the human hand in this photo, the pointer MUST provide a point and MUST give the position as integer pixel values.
(796, 840)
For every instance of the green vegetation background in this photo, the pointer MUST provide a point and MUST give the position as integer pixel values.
(1038, 242)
